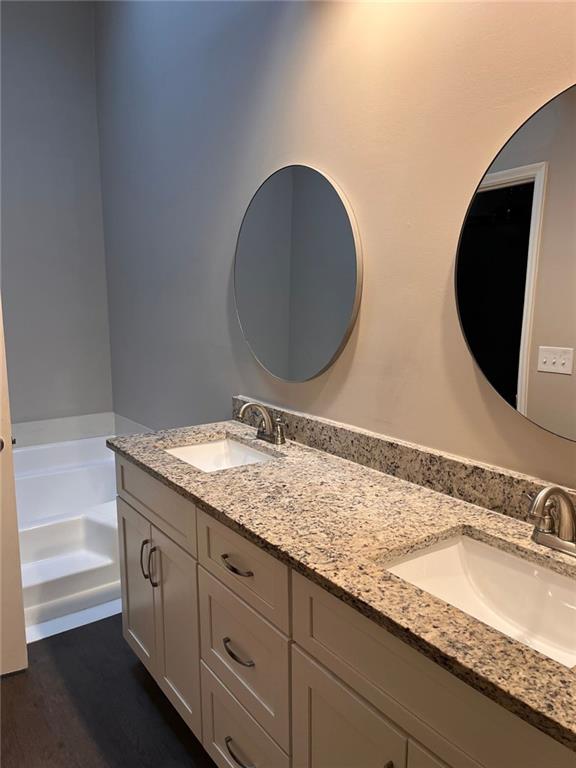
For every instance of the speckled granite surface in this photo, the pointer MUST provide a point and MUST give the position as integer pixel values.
(490, 487)
(339, 523)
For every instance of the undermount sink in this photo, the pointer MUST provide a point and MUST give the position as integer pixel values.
(219, 454)
(528, 603)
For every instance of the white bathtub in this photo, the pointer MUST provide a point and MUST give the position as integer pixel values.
(61, 480)
(68, 533)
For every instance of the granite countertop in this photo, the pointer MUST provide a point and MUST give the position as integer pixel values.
(340, 523)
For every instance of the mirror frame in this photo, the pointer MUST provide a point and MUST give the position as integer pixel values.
(456, 261)
(359, 274)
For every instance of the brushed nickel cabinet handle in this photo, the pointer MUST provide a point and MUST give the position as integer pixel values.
(228, 741)
(152, 550)
(237, 571)
(226, 642)
(144, 542)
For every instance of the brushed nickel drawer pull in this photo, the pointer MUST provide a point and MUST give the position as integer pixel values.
(144, 542)
(226, 642)
(152, 550)
(237, 571)
(228, 741)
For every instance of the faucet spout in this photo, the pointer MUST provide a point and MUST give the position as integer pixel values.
(562, 511)
(555, 515)
(266, 431)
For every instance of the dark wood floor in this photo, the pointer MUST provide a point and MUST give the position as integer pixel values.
(87, 702)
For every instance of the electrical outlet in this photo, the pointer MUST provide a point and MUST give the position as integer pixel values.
(556, 360)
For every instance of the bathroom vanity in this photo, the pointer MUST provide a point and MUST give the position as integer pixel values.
(260, 600)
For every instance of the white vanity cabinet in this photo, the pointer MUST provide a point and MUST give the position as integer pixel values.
(270, 670)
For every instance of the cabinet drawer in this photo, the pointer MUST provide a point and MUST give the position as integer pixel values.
(335, 728)
(230, 735)
(169, 511)
(257, 577)
(428, 702)
(248, 654)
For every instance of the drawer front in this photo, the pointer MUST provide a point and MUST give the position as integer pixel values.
(232, 737)
(335, 728)
(169, 511)
(248, 654)
(428, 702)
(260, 579)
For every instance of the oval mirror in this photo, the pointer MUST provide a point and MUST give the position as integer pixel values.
(516, 269)
(297, 273)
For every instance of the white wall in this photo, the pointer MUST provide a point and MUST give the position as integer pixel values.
(53, 268)
(404, 105)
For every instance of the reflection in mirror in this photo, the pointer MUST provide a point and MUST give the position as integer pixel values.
(516, 269)
(297, 273)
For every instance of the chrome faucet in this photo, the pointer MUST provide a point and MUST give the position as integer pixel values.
(272, 432)
(555, 516)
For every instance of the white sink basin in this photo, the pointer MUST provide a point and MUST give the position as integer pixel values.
(528, 603)
(219, 454)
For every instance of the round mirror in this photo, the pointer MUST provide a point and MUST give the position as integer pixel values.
(297, 273)
(516, 269)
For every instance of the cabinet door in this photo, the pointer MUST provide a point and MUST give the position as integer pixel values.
(335, 728)
(173, 574)
(137, 595)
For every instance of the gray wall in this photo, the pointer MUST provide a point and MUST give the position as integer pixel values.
(180, 92)
(53, 269)
(199, 102)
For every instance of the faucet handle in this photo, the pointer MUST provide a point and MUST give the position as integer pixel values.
(279, 433)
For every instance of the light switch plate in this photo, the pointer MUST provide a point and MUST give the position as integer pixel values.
(556, 360)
